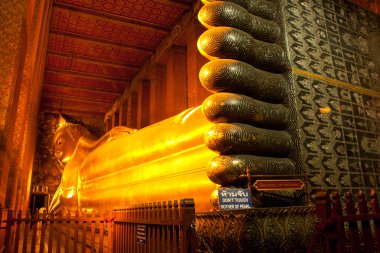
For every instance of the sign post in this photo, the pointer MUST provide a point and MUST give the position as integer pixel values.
(141, 233)
(270, 185)
(234, 199)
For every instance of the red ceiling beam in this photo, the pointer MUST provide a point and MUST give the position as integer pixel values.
(73, 112)
(80, 93)
(69, 101)
(86, 74)
(100, 40)
(72, 63)
(184, 3)
(73, 86)
(64, 77)
(73, 103)
(93, 59)
(97, 50)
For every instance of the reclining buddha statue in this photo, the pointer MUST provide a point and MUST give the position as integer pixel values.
(245, 129)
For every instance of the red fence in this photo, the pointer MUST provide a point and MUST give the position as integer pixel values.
(156, 227)
(352, 227)
(70, 232)
(166, 227)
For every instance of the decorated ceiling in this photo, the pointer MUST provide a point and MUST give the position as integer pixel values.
(96, 47)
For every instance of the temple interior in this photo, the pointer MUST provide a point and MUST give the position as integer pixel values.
(109, 64)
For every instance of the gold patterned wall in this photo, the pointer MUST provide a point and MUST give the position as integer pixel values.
(23, 49)
(337, 83)
(11, 15)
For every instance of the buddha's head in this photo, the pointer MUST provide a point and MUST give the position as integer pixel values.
(66, 139)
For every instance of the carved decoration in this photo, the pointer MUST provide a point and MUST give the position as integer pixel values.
(256, 230)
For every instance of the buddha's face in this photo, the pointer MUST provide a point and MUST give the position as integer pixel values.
(64, 146)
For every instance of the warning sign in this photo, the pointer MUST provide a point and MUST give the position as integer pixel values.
(233, 199)
(267, 185)
(141, 233)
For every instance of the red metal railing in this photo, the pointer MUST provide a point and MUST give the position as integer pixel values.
(166, 227)
(156, 227)
(347, 228)
(61, 233)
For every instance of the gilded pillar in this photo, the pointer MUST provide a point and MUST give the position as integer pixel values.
(22, 64)
(145, 103)
(158, 94)
(132, 119)
(176, 81)
(195, 91)
(12, 18)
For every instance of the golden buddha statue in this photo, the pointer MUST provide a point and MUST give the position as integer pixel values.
(72, 143)
(127, 166)
(65, 140)
(173, 158)
(246, 129)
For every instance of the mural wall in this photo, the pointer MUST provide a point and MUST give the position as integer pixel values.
(334, 50)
